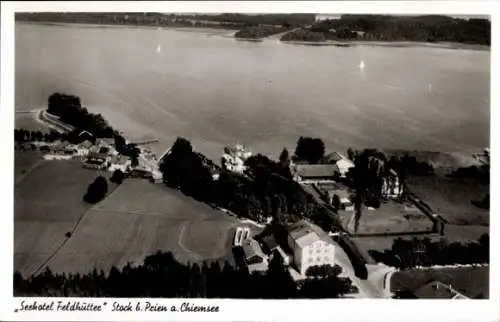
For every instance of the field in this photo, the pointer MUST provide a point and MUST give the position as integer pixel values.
(139, 219)
(47, 204)
(25, 162)
(470, 281)
(28, 121)
(390, 218)
(452, 198)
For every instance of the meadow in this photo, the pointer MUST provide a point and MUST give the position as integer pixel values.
(47, 204)
(139, 219)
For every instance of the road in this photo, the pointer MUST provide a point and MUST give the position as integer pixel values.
(367, 288)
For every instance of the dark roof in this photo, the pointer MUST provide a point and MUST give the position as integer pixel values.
(270, 243)
(316, 170)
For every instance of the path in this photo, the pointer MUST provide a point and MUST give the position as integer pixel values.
(279, 35)
(366, 288)
(72, 232)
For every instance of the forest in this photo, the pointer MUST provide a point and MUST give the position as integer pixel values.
(162, 276)
(429, 28)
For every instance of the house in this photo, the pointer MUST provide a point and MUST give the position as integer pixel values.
(121, 163)
(63, 148)
(255, 258)
(106, 142)
(94, 162)
(233, 159)
(311, 173)
(392, 188)
(310, 246)
(157, 177)
(438, 290)
(342, 162)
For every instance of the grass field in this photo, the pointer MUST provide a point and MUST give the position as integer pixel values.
(139, 219)
(390, 218)
(470, 281)
(28, 121)
(47, 204)
(452, 198)
(24, 162)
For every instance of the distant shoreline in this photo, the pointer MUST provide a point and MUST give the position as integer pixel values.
(335, 43)
(394, 44)
(124, 26)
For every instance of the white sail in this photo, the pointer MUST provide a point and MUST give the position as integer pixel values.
(362, 65)
(158, 49)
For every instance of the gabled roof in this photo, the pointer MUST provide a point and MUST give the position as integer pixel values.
(316, 170)
(333, 157)
(305, 233)
(86, 144)
(252, 248)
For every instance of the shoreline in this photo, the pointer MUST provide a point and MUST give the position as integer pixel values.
(222, 30)
(123, 26)
(393, 44)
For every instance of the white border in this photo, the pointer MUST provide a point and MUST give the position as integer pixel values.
(235, 310)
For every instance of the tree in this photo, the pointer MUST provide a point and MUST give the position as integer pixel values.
(351, 154)
(117, 176)
(310, 149)
(336, 202)
(96, 191)
(285, 158)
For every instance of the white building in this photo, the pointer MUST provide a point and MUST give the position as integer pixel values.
(233, 159)
(120, 163)
(343, 163)
(310, 245)
(322, 17)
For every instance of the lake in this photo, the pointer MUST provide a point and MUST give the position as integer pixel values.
(215, 90)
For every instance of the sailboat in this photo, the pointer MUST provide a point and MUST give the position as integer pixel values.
(362, 65)
(158, 49)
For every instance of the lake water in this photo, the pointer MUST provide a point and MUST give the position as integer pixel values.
(215, 90)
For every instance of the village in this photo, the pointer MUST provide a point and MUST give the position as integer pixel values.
(303, 247)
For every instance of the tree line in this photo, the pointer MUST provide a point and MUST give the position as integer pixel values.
(431, 28)
(223, 20)
(265, 190)
(424, 252)
(70, 110)
(162, 276)
(259, 32)
(24, 135)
